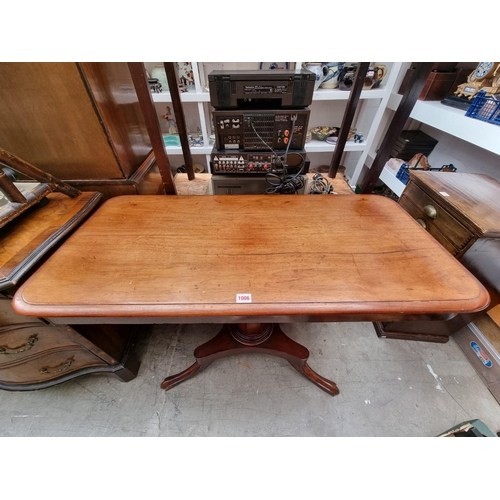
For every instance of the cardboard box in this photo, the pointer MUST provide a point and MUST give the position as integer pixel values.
(494, 314)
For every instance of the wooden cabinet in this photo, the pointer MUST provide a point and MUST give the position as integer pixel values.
(436, 219)
(80, 122)
(34, 353)
(457, 209)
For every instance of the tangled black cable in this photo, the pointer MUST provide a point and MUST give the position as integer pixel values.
(320, 185)
(285, 184)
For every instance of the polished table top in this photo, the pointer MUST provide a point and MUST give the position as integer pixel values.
(299, 258)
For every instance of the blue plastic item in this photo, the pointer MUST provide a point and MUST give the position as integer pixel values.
(485, 108)
(403, 173)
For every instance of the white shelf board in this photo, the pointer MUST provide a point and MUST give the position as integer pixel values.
(185, 97)
(319, 95)
(198, 150)
(394, 101)
(343, 95)
(454, 122)
(315, 146)
(390, 180)
(311, 147)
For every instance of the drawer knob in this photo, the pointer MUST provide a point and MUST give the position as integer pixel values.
(22, 348)
(430, 211)
(422, 223)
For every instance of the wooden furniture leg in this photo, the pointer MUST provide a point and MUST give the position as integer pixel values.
(245, 338)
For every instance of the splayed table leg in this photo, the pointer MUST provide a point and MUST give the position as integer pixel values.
(263, 338)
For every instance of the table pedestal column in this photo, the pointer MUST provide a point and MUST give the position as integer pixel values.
(242, 338)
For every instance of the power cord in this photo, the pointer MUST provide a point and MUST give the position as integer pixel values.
(320, 185)
(285, 184)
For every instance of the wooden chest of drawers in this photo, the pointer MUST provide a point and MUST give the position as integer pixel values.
(34, 354)
(457, 209)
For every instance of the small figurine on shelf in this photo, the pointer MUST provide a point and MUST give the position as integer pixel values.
(373, 78)
(195, 139)
(171, 125)
(186, 75)
(154, 85)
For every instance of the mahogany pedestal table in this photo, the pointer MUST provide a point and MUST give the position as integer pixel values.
(250, 262)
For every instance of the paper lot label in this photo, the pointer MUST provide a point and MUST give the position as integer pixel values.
(243, 298)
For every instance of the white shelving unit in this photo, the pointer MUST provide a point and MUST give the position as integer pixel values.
(454, 122)
(451, 121)
(370, 111)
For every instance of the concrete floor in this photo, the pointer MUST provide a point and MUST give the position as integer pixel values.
(387, 388)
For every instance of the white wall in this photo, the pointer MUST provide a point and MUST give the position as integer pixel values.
(467, 157)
